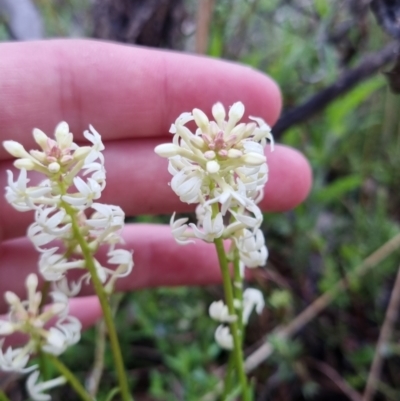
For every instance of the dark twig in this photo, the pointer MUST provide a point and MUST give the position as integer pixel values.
(368, 66)
(387, 13)
(385, 334)
(338, 380)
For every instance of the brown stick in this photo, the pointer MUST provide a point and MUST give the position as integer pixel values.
(308, 314)
(204, 13)
(385, 334)
(336, 378)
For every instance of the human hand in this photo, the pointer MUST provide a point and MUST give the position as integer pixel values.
(131, 96)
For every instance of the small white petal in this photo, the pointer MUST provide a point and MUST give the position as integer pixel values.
(223, 337)
(219, 311)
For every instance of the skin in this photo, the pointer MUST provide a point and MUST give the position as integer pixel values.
(131, 96)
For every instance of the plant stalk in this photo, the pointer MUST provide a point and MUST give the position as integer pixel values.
(237, 345)
(105, 306)
(71, 378)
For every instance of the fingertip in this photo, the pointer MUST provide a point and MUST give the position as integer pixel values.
(290, 179)
(86, 309)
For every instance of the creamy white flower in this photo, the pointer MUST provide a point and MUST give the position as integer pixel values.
(213, 227)
(123, 259)
(219, 311)
(178, 229)
(94, 137)
(252, 249)
(183, 119)
(65, 333)
(263, 132)
(253, 179)
(106, 216)
(229, 197)
(6, 328)
(48, 226)
(87, 192)
(223, 337)
(252, 299)
(19, 195)
(36, 389)
(187, 184)
(26, 317)
(15, 360)
(54, 266)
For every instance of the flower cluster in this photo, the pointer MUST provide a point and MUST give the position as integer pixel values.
(222, 167)
(27, 317)
(69, 228)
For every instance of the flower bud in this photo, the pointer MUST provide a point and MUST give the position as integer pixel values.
(14, 148)
(201, 119)
(197, 142)
(209, 155)
(31, 282)
(38, 155)
(236, 112)
(6, 328)
(218, 111)
(234, 153)
(40, 138)
(63, 136)
(254, 159)
(212, 167)
(54, 167)
(11, 298)
(167, 150)
(24, 163)
(238, 131)
(82, 152)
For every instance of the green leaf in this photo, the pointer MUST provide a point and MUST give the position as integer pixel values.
(337, 112)
(113, 392)
(338, 188)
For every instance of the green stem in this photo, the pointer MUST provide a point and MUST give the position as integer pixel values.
(45, 292)
(44, 371)
(228, 382)
(237, 346)
(71, 378)
(238, 291)
(105, 306)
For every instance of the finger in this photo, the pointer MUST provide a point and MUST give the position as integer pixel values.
(86, 309)
(137, 180)
(159, 261)
(124, 91)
